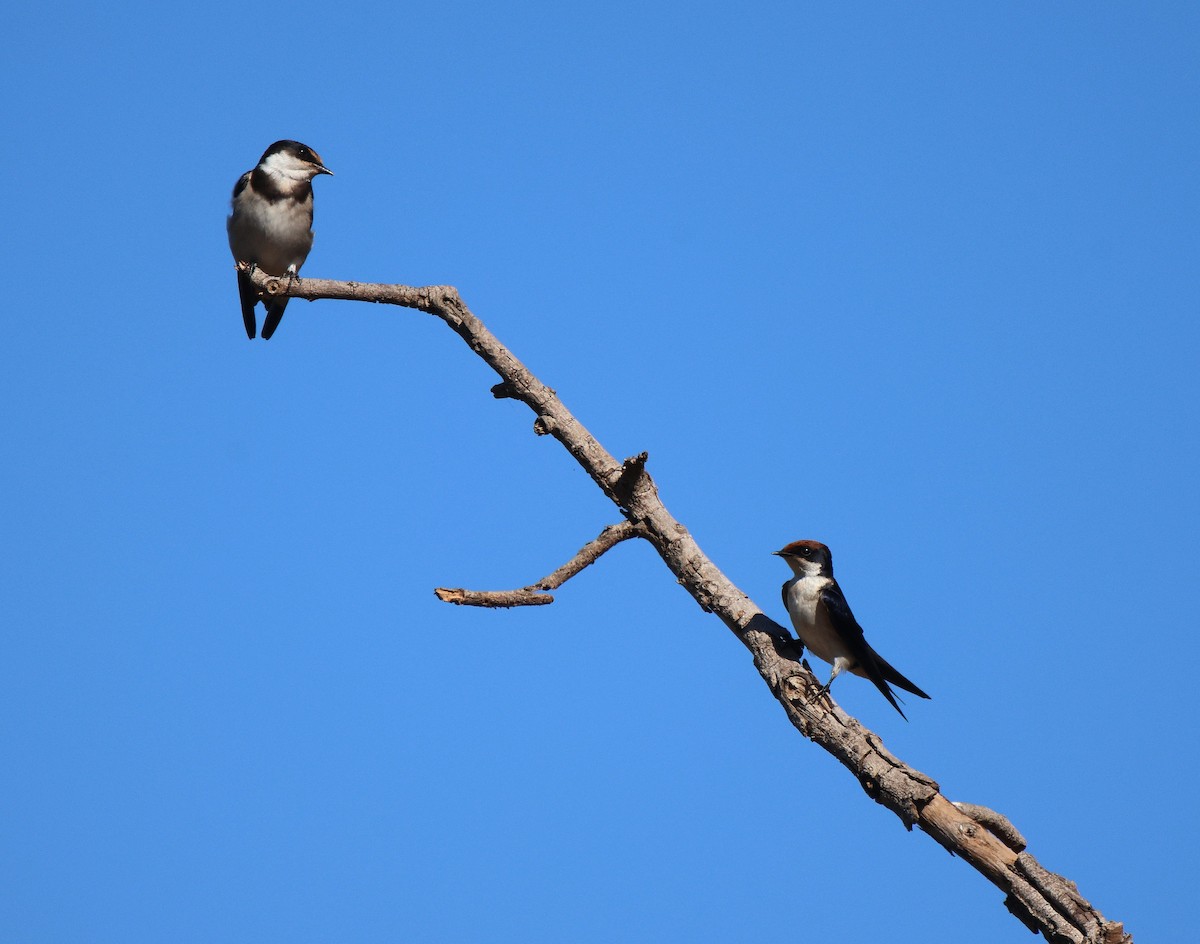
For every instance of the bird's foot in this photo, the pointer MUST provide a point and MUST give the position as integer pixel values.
(822, 692)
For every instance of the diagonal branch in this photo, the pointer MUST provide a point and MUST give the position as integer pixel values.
(1044, 901)
(535, 594)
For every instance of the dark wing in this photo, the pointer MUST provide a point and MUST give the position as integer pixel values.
(249, 296)
(246, 291)
(846, 626)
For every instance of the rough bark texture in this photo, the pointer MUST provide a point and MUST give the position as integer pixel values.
(1042, 900)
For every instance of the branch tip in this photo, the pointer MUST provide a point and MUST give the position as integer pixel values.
(493, 599)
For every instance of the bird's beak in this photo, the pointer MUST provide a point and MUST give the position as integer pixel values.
(777, 553)
(322, 169)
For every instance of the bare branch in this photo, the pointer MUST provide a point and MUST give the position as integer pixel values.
(534, 594)
(1044, 901)
(494, 599)
(587, 555)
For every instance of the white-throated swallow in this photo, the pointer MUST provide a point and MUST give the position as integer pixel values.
(825, 625)
(271, 223)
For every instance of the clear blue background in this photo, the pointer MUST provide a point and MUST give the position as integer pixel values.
(919, 281)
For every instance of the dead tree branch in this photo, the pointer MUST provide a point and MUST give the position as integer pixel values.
(535, 594)
(1044, 901)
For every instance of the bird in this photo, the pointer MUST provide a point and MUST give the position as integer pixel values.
(270, 225)
(826, 626)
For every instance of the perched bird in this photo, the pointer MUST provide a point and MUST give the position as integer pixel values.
(271, 223)
(826, 626)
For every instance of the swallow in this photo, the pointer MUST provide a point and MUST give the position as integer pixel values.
(826, 626)
(270, 225)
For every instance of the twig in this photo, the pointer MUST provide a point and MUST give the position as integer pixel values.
(535, 594)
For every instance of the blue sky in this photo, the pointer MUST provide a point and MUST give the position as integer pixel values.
(919, 282)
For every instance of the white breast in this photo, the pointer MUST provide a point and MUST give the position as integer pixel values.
(810, 621)
(274, 235)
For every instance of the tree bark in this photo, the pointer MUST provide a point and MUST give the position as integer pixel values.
(1042, 900)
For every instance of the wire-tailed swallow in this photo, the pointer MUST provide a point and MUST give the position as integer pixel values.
(826, 626)
(271, 223)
